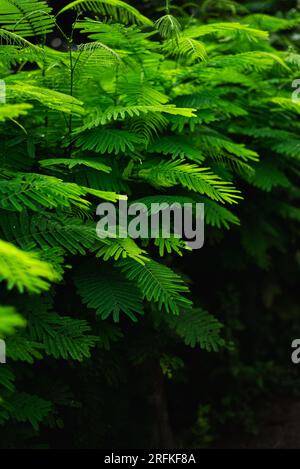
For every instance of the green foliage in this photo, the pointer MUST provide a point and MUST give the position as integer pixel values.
(185, 108)
(158, 284)
(12, 111)
(107, 141)
(49, 230)
(71, 163)
(190, 176)
(199, 327)
(34, 191)
(23, 407)
(26, 18)
(117, 8)
(10, 320)
(24, 270)
(168, 26)
(107, 291)
(62, 337)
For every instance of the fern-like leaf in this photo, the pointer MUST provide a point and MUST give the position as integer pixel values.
(23, 407)
(191, 176)
(61, 336)
(228, 30)
(72, 162)
(44, 231)
(115, 8)
(186, 47)
(176, 146)
(105, 140)
(168, 27)
(109, 292)
(158, 283)
(26, 17)
(34, 191)
(198, 327)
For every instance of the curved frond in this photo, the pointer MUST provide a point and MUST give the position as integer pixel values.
(192, 177)
(72, 162)
(116, 8)
(26, 18)
(186, 47)
(33, 191)
(168, 26)
(158, 284)
(227, 30)
(105, 140)
(121, 112)
(109, 292)
(49, 98)
(46, 230)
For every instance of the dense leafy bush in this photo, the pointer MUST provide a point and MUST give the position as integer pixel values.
(188, 107)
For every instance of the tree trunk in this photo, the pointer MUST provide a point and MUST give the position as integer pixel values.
(162, 431)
